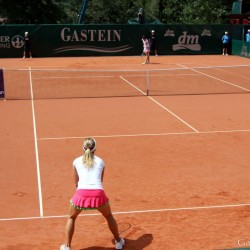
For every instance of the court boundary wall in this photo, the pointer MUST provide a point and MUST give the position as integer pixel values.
(111, 40)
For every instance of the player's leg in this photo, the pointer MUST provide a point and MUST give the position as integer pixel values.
(70, 225)
(148, 55)
(106, 212)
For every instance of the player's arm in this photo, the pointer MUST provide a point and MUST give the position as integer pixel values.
(103, 173)
(75, 176)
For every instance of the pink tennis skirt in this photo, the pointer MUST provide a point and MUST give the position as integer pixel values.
(86, 199)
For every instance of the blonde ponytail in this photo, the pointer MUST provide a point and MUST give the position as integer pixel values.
(89, 146)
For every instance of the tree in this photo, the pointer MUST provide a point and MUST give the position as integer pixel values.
(205, 12)
(29, 11)
(106, 11)
(118, 11)
(171, 11)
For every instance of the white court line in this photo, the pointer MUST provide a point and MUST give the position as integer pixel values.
(36, 147)
(131, 84)
(159, 104)
(229, 83)
(233, 73)
(136, 211)
(111, 76)
(72, 77)
(172, 113)
(42, 68)
(141, 135)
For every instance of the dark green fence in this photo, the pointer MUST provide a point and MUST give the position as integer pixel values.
(105, 40)
(241, 48)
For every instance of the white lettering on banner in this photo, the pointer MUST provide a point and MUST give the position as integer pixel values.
(74, 35)
(4, 45)
(68, 35)
(190, 42)
(243, 242)
(4, 39)
(4, 42)
(169, 33)
(101, 37)
(206, 32)
(188, 39)
(7, 41)
(17, 42)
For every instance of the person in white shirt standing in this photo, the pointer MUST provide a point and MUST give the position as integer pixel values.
(88, 176)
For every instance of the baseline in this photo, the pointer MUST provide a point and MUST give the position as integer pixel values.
(134, 212)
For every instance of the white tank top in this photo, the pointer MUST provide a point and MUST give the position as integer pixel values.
(89, 178)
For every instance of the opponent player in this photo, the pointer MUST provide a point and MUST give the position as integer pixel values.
(146, 49)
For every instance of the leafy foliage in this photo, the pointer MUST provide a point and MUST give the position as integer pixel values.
(116, 12)
(29, 11)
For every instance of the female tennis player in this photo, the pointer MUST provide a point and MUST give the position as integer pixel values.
(88, 172)
(146, 48)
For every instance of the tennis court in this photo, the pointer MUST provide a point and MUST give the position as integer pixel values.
(174, 134)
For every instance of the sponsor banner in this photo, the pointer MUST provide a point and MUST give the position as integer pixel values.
(1, 84)
(111, 40)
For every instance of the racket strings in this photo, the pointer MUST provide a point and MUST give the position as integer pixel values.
(124, 229)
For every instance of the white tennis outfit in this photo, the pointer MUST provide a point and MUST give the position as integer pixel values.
(146, 45)
(89, 178)
(89, 193)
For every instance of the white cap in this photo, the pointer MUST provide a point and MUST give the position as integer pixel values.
(26, 33)
(152, 31)
(226, 32)
(248, 30)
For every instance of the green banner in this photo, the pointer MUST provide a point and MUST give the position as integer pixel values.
(241, 48)
(110, 40)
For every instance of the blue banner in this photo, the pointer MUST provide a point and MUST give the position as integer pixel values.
(1, 84)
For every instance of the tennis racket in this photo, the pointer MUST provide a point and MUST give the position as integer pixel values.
(123, 227)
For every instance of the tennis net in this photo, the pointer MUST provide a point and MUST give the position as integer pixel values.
(73, 83)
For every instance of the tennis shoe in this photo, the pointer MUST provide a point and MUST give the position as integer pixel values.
(119, 244)
(64, 247)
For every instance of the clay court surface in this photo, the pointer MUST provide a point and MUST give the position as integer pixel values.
(177, 161)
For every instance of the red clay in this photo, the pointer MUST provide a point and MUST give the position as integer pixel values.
(177, 167)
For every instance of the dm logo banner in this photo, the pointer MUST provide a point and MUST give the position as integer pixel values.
(1, 84)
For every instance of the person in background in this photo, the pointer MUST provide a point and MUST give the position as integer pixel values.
(226, 43)
(27, 45)
(248, 36)
(153, 43)
(88, 170)
(146, 49)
